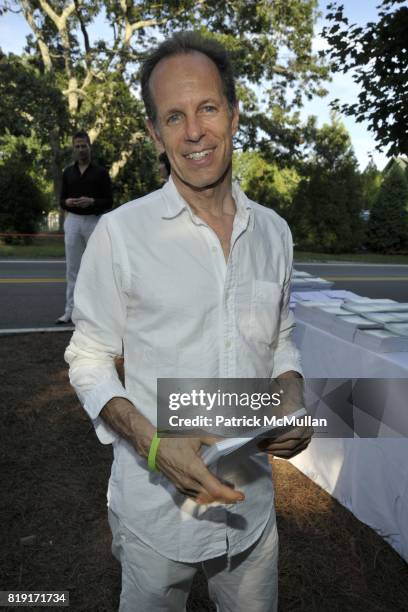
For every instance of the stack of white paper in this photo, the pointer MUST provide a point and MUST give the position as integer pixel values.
(397, 328)
(381, 341)
(343, 294)
(365, 308)
(380, 325)
(312, 296)
(329, 312)
(387, 317)
(308, 311)
(346, 325)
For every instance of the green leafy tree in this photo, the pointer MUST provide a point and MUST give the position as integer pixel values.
(327, 205)
(33, 113)
(266, 182)
(370, 184)
(95, 79)
(388, 223)
(377, 57)
(22, 203)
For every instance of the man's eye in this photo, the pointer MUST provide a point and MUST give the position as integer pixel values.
(209, 108)
(175, 118)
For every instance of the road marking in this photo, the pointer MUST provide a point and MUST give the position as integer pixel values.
(30, 330)
(8, 281)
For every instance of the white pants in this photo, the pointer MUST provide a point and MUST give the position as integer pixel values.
(151, 583)
(77, 230)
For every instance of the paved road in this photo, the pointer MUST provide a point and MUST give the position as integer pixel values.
(32, 293)
(371, 280)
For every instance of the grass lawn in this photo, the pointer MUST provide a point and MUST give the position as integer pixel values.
(55, 533)
(53, 246)
(303, 257)
(42, 246)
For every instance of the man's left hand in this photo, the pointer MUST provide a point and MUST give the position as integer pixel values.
(84, 202)
(289, 444)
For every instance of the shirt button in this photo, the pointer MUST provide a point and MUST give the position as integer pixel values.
(227, 344)
(214, 249)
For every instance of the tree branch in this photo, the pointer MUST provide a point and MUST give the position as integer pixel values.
(138, 25)
(102, 102)
(148, 23)
(90, 75)
(44, 50)
(59, 20)
(78, 3)
(282, 70)
(126, 154)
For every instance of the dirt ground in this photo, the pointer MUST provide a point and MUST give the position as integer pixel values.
(54, 532)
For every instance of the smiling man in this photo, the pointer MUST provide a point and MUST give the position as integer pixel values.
(191, 281)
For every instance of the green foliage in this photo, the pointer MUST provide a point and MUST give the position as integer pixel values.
(377, 55)
(34, 157)
(139, 176)
(136, 173)
(22, 203)
(265, 182)
(29, 99)
(370, 185)
(388, 223)
(68, 79)
(327, 205)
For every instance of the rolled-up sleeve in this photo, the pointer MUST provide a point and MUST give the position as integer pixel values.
(100, 318)
(287, 356)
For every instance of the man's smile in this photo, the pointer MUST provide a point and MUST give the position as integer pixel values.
(199, 154)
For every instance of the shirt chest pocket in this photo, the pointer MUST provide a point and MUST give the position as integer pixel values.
(266, 302)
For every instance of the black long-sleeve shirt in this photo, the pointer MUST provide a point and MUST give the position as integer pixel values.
(94, 183)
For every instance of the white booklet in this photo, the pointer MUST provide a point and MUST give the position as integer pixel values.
(401, 329)
(365, 308)
(230, 445)
(388, 317)
(381, 341)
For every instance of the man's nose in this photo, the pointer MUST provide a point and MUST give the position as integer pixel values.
(194, 129)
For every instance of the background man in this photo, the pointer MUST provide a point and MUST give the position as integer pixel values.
(192, 281)
(86, 193)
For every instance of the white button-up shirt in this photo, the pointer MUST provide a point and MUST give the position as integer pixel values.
(154, 284)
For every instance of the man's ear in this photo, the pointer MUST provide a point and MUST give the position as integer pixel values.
(155, 136)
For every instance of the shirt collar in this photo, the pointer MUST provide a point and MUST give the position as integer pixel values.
(76, 164)
(175, 204)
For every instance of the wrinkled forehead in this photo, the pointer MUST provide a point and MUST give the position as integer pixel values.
(177, 75)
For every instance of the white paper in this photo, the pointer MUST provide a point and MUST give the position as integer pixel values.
(230, 445)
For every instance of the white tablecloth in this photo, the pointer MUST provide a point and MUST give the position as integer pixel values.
(368, 476)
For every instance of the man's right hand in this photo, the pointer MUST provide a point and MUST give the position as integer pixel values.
(71, 202)
(179, 460)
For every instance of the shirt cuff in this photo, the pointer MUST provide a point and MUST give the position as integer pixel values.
(105, 434)
(93, 401)
(285, 365)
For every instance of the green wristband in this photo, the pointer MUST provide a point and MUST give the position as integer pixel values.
(151, 459)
